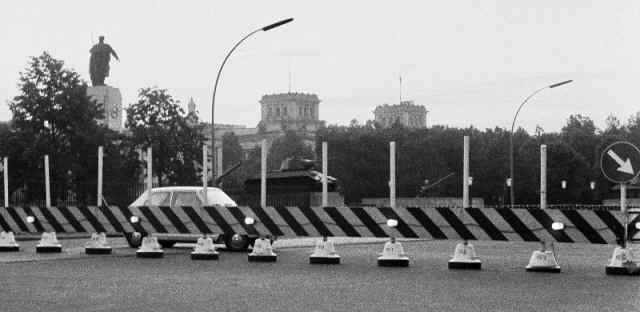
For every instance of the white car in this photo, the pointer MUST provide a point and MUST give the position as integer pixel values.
(192, 196)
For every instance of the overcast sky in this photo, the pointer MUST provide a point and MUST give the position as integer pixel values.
(469, 62)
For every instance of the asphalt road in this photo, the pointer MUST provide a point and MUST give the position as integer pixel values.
(72, 281)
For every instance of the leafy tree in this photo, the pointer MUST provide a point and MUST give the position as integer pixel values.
(156, 120)
(231, 155)
(580, 134)
(53, 115)
(291, 144)
(231, 150)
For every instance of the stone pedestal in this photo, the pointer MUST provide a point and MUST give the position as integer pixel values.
(111, 100)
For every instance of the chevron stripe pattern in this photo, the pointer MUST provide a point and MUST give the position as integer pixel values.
(502, 224)
(73, 219)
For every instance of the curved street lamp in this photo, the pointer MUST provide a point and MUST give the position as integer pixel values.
(512, 190)
(215, 88)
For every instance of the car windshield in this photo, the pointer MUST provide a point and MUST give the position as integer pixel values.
(159, 199)
(185, 199)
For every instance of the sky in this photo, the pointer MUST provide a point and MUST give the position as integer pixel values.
(469, 62)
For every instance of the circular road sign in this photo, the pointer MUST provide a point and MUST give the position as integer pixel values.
(620, 162)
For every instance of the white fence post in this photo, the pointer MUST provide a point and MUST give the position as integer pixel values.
(465, 173)
(218, 161)
(543, 176)
(100, 166)
(392, 174)
(263, 174)
(149, 173)
(47, 189)
(325, 188)
(6, 182)
(205, 171)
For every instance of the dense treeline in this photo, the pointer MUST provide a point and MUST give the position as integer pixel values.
(359, 158)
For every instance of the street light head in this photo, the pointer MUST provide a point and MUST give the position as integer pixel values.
(277, 24)
(560, 83)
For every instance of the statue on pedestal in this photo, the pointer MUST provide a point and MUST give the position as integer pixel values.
(99, 62)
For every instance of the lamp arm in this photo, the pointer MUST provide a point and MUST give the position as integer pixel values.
(521, 105)
(213, 102)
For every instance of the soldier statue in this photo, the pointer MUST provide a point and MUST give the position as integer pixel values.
(99, 62)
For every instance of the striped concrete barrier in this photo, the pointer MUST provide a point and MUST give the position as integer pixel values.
(72, 219)
(502, 224)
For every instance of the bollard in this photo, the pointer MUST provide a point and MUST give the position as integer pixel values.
(150, 248)
(465, 258)
(97, 245)
(393, 254)
(8, 242)
(48, 243)
(262, 251)
(204, 250)
(324, 253)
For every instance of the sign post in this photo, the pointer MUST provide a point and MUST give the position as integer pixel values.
(5, 173)
(620, 162)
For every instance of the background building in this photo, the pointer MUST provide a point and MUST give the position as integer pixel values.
(292, 111)
(279, 112)
(406, 113)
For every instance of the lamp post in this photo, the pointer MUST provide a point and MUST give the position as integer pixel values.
(513, 124)
(215, 88)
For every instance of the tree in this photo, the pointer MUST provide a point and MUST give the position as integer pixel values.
(53, 115)
(231, 155)
(290, 144)
(231, 150)
(156, 120)
(580, 134)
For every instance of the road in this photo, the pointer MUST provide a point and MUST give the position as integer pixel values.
(121, 282)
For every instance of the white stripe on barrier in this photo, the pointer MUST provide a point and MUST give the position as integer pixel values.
(279, 221)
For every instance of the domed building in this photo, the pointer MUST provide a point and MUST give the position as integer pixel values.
(292, 111)
(406, 113)
(280, 112)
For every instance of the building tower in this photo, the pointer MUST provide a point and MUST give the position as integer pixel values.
(406, 113)
(292, 111)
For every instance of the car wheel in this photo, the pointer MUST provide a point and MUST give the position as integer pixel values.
(166, 244)
(237, 242)
(133, 239)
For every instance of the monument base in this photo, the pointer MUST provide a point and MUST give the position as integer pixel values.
(111, 101)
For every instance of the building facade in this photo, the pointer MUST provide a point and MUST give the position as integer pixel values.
(407, 113)
(279, 113)
(293, 111)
